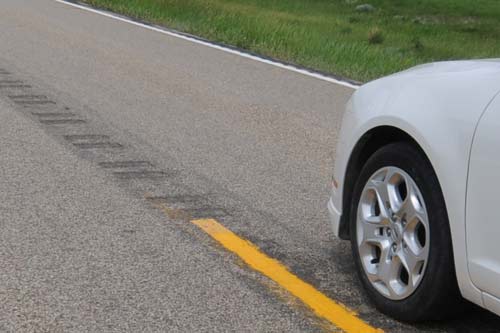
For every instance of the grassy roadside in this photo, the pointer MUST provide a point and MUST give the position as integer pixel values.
(332, 35)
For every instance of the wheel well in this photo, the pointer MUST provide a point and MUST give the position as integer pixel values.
(369, 143)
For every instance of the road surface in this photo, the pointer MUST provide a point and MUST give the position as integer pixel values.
(104, 122)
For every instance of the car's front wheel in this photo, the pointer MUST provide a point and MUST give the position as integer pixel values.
(400, 236)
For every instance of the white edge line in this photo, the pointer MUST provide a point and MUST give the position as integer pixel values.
(215, 46)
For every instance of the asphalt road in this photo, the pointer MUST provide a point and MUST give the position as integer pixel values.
(81, 246)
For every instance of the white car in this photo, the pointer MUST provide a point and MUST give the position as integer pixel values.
(416, 188)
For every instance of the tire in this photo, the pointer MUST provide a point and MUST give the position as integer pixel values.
(436, 296)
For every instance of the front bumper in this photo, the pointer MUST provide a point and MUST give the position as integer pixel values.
(335, 215)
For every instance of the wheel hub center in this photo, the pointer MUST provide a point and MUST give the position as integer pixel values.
(396, 231)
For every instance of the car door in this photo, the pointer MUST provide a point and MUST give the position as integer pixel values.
(483, 205)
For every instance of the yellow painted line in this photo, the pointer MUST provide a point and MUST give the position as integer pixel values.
(324, 307)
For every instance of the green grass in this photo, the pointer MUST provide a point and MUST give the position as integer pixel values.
(330, 35)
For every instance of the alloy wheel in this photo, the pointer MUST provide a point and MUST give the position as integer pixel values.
(392, 233)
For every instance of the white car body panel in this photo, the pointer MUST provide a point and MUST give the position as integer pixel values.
(438, 105)
(483, 223)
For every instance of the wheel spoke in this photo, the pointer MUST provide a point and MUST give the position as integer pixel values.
(387, 274)
(411, 262)
(410, 207)
(391, 179)
(371, 232)
(382, 196)
(382, 268)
